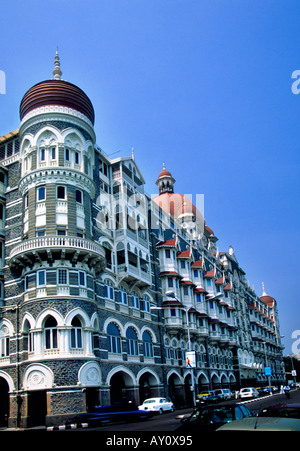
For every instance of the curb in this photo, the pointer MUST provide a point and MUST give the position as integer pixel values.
(67, 426)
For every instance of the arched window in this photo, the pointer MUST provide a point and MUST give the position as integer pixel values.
(132, 343)
(76, 333)
(147, 345)
(51, 333)
(113, 339)
(4, 342)
(28, 335)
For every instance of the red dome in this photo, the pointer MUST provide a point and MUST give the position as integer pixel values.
(57, 92)
(164, 173)
(268, 300)
(176, 204)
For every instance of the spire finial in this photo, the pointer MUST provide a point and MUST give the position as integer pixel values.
(263, 288)
(57, 72)
(164, 167)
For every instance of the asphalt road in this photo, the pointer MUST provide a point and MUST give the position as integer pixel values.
(168, 422)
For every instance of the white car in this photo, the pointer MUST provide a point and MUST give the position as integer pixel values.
(158, 405)
(224, 393)
(248, 392)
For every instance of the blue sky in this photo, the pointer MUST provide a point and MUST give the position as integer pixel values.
(201, 85)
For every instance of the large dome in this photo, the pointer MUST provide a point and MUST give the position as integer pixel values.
(57, 92)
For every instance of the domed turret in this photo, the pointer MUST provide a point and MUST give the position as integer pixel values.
(59, 93)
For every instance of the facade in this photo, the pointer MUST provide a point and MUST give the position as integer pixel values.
(103, 289)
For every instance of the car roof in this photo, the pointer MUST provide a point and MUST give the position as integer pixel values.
(263, 424)
(283, 406)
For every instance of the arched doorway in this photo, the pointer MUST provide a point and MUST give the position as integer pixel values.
(175, 389)
(4, 403)
(147, 386)
(121, 388)
(203, 383)
(188, 390)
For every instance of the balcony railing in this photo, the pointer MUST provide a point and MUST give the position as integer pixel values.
(69, 247)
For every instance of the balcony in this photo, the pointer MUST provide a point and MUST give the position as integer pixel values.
(130, 273)
(57, 247)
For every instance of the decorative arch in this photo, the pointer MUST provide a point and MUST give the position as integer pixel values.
(49, 312)
(47, 136)
(129, 377)
(134, 327)
(150, 331)
(89, 375)
(38, 377)
(78, 312)
(116, 322)
(27, 317)
(8, 379)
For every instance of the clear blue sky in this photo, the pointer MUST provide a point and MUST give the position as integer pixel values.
(202, 85)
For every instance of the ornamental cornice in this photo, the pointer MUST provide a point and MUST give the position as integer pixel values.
(57, 175)
(56, 113)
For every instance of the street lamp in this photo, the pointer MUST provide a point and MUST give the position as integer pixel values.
(172, 295)
(266, 365)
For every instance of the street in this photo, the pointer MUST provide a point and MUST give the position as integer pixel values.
(169, 422)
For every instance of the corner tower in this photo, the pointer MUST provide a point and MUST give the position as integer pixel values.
(52, 257)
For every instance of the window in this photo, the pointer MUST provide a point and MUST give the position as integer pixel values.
(113, 339)
(135, 301)
(42, 155)
(51, 333)
(76, 333)
(168, 254)
(4, 342)
(147, 345)
(76, 158)
(41, 193)
(40, 231)
(41, 278)
(108, 292)
(61, 192)
(67, 155)
(123, 296)
(132, 343)
(146, 304)
(79, 196)
(170, 282)
(173, 311)
(53, 153)
(182, 264)
(81, 279)
(195, 273)
(62, 277)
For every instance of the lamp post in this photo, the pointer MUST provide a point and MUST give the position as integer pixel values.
(266, 365)
(172, 295)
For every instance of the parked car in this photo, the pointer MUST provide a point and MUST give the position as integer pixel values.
(281, 410)
(262, 424)
(224, 393)
(114, 413)
(158, 405)
(248, 392)
(208, 397)
(209, 418)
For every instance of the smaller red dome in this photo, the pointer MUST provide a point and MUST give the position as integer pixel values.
(164, 173)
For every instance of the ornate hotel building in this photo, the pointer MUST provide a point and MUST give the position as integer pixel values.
(104, 289)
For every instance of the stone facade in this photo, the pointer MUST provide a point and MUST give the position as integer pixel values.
(103, 290)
